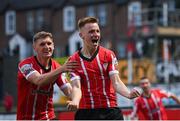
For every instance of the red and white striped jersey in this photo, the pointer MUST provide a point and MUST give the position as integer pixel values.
(94, 74)
(35, 102)
(151, 108)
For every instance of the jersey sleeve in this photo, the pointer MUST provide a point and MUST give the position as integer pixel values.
(112, 64)
(62, 81)
(26, 69)
(74, 75)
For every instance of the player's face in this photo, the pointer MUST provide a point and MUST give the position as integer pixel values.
(145, 85)
(44, 47)
(90, 34)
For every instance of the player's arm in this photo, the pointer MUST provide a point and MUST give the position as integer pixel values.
(76, 94)
(64, 84)
(168, 94)
(121, 88)
(67, 90)
(42, 79)
(118, 85)
(175, 98)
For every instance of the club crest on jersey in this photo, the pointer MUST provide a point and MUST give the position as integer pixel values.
(26, 69)
(105, 65)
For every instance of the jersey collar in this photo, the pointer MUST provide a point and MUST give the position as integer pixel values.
(88, 59)
(46, 70)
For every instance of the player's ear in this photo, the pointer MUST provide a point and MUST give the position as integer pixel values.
(33, 45)
(80, 34)
(53, 45)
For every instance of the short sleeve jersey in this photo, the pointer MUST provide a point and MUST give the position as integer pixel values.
(94, 74)
(151, 108)
(35, 102)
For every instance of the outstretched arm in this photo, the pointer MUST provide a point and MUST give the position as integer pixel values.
(174, 97)
(168, 94)
(120, 87)
(43, 79)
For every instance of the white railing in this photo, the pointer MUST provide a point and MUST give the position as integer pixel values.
(156, 17)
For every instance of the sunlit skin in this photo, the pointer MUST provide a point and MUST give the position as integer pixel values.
(44, 49)
(90, 33)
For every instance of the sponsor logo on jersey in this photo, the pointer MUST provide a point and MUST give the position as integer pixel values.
(26, 69)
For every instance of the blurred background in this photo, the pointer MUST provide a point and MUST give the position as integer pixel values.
(144, 34)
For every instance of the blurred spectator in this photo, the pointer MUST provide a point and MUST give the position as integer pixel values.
(8, 102)
(149, 105)
(131, 47)
(139, 49)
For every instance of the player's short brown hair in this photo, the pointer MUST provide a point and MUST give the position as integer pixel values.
(144, 79)
(86, 20)
(42, 35)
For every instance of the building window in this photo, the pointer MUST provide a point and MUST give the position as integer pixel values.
(30, 22)
(134, 14)
(69, 19)
(102, 14)
(171, 5)
(39, 19)
(90, 11)
(10, 19)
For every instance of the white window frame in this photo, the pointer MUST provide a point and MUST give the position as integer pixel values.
(10, 22)
(39, 18)
(69, 20)
(30, 21)
(171, 5)
(134, 13)
(102, 14)
(91, 11)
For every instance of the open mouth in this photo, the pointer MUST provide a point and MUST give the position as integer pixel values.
(95, 40)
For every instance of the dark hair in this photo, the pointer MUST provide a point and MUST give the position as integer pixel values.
(144, 77)
(86, 20)
(42, 35)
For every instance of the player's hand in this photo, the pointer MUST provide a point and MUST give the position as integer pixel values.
(72, 105)
(69, 66)
(134, 93)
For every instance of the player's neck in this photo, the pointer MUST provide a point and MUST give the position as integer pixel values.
(87, 52)
(44, 61)
(147, 93)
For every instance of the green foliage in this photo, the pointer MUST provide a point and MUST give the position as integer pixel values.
(61, 60)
